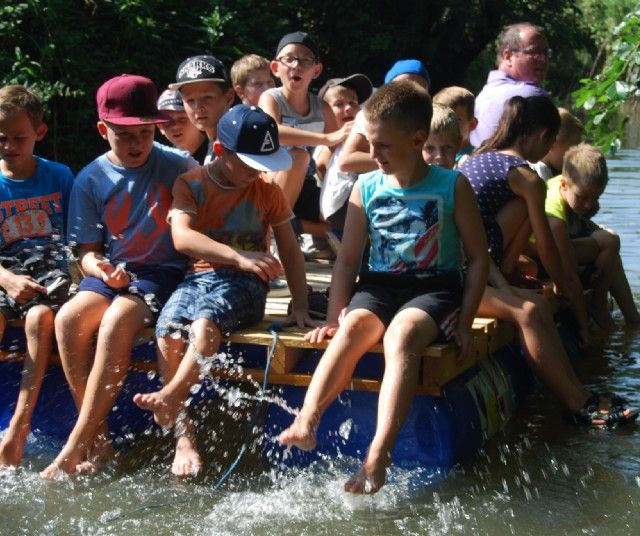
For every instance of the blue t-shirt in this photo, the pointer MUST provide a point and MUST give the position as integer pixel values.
(412, 229)
(126, 208)
(34, 209)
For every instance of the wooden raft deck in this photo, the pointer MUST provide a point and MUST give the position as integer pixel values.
(439, 364)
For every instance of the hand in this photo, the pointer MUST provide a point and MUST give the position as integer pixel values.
(301, 318)
(464, 341)
(23, 288)
(338, 136)
(264, 265)
(318, 334)
(115, 277)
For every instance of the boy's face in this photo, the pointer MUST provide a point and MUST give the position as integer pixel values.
(258, 82)
(343, 102)
(130, 145)
(393, 148)
(583, 200)
(296, 67)
(179, 130)
(441, 149)
(205, 103)
(236, 172)
(17, 140)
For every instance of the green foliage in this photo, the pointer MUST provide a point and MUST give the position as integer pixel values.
(603, 95)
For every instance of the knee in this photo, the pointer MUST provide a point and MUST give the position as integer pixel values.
(359, 323)
(38, 319)
(401, 338)
(300, 158)
(611, 241)
(534, 313)
(206, 338)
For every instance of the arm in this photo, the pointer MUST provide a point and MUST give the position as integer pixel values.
(322, 161)
(21, 288)
(474, 242)
(570, 266)
(346, 267)
(355, 157)
(293, 262)
(93, 263)
(527, 184)
(199, 246)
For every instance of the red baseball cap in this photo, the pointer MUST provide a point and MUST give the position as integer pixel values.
(129, 99)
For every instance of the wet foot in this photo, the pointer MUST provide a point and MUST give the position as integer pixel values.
(369, 478)
(101, 452)
(64, 465)
(165, 409)
(12, 446)
(187, 461)
(302, 433)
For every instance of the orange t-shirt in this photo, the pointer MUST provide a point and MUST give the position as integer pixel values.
(238, 217)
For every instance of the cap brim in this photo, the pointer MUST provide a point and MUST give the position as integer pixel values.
(178, 85)
(360, 84)
(278, 161)
(128, 121)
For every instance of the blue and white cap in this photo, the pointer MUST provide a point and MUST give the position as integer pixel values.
(253, 135)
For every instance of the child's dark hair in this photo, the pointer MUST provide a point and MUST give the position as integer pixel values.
(404, 102)
(14, 98)
(521, 117)
(585, 165)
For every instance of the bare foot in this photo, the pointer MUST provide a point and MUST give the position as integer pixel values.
(12, 445)
(64, 464)
(302, 433)
(101, 452)
(369, 478)
(187, 461)
(165, 409)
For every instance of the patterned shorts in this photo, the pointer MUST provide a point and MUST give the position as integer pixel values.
(230, 299)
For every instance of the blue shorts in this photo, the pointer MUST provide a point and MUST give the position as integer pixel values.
(386, 294)
(153, 285)
(230, 299)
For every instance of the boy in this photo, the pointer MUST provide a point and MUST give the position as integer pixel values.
(569, 135)
(34, 280)
(344, 96)
(251, 77)
(444, 138)
(413, 213)
(572, 198)
(304, 119)
(462, 102)
(206, 92)
(179, 130)
(117, 221)
(220, 217)
(355, 157)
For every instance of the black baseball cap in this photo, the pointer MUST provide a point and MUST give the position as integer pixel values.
(298, 38)
(200, 69)
(358, 82)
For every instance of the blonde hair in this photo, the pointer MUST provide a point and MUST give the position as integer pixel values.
(454, 96)
(570, 126)
(444, 120)
(585, 165)
(404, 102)
(14, 98)
(244, 66)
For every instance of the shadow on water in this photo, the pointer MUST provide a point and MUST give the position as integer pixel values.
(539, 476)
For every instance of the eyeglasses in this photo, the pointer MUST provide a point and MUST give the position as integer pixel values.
(290, 61)
(537, 52)
(259, 84)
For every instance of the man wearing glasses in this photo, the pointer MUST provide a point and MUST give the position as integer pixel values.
(522, 59)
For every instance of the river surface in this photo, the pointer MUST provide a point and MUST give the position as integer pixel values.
(538, 476)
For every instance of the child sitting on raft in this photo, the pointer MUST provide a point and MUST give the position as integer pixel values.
(34, 278)
(220, 218)
(511, 199)
(414, 292)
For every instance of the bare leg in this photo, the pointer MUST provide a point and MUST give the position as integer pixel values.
(168, 403)
(409, 333)
(540, 340)
(120, 325)
(39, 333)
(359, 331)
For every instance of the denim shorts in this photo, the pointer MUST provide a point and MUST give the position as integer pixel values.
(230, 299)
(153, 285)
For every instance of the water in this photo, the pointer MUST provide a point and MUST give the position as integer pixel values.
(539, 476)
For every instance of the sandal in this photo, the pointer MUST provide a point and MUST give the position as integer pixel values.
(592, 414)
